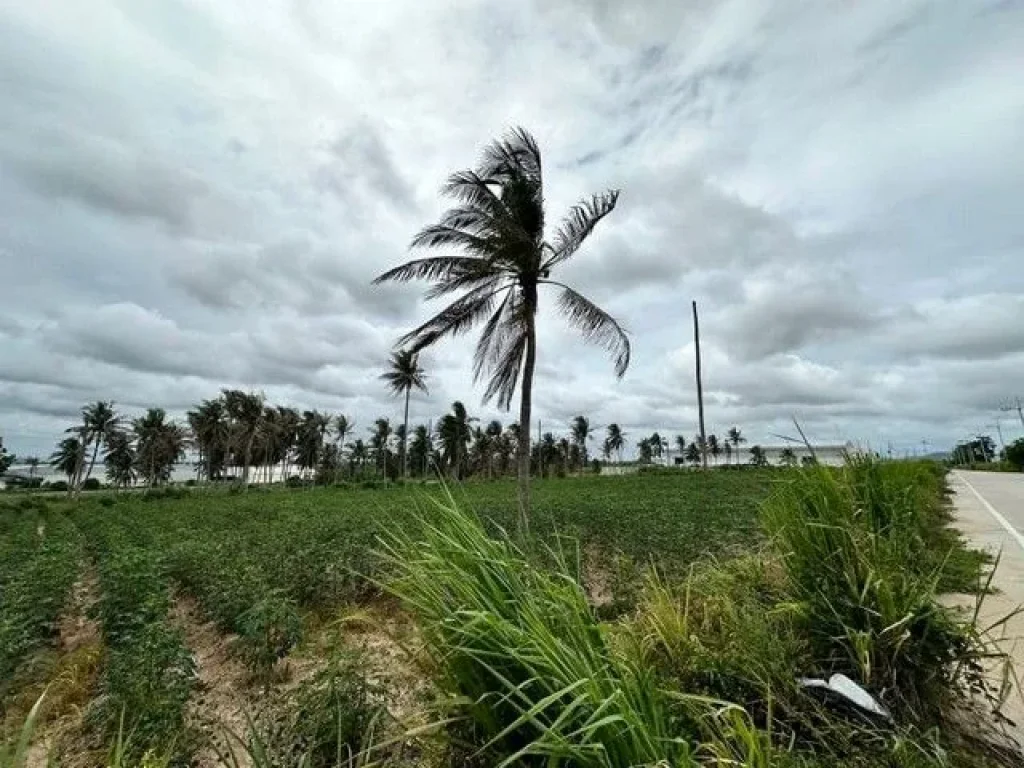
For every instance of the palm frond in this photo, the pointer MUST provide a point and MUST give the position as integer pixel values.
(517, 153)
(506, 371)
(457, 318)
(596, 325)
(453, 231)
(578, 224)
(430, 268)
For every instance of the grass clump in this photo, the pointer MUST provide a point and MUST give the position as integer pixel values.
(862, 551)
(532, 670)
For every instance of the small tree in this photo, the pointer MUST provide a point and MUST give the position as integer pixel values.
(758, 457)
(1015, 453)
(787, 458)
(6, 459)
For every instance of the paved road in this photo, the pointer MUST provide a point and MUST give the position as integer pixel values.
(990, 513)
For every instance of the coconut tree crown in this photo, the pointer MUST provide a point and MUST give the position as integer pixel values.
(502, 259)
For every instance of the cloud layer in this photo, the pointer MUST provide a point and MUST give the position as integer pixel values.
(196, 194)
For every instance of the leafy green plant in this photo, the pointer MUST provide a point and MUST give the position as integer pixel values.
(269, 629)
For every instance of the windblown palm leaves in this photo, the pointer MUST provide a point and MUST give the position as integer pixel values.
(498, 261)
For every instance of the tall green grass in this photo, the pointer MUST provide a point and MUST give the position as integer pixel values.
(866, 550)
(523, 653)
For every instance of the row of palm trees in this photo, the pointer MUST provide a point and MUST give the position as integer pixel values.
(145, 448)
(239, 436)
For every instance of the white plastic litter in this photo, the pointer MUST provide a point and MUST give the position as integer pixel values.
(843, 686)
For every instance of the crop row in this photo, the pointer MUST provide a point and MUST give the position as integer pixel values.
(38, 565)
(150, 673)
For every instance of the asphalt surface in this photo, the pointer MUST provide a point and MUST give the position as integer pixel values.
(990, 513)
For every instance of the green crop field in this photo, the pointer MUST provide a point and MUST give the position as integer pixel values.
(260, 564)
(363, 625)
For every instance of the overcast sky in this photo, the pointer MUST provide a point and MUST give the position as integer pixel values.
(195, 194)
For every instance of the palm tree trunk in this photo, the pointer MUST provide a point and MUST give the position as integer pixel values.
(525, 408)
(92, 461)
(405, 437)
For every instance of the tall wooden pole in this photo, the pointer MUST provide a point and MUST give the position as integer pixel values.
(700, 390)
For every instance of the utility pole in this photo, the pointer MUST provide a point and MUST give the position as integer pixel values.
(700, 390)
(1017, 407)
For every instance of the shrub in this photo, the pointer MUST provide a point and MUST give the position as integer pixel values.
(294, 481)
(1015, 453)
(56, 485)
(92, 484)
(268, 629)
(328, 720)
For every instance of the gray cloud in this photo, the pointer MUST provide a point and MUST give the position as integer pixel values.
(193, 199)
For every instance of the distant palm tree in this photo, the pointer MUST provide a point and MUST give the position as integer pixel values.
(68, 458)
(99, 419)
(311, 435)
(498, 225)
(681, 445)
(736, 437)
(787, 458)
(33, 464)
(615, 440)
(580, 434)
(159, 444)
(658, 445)
(455, 432)
(728, 451)
(421, 448)
(246, 412)
(357, 455)
(119, 460)
(758, 457)
(404, 375)
(211, 434)
(645, 450)
(380, 435)
(714, 448)
(693, 454)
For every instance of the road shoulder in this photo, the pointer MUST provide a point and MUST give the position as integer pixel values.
(986, 527)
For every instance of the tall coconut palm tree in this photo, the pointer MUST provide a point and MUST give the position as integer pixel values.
(498, 226)
(98, 420)
(404, 375)
(615, 440)
(727, 448)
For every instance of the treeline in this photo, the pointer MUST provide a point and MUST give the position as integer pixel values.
(238, 436)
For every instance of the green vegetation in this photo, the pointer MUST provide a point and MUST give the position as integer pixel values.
(39, 560)
(497, 257)
(674, 632)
